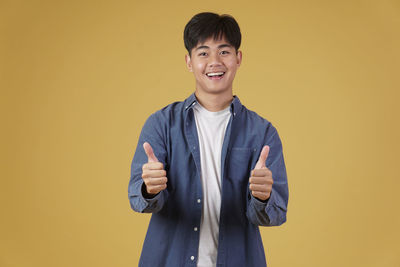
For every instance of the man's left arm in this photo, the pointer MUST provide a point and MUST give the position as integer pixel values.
(268, 188)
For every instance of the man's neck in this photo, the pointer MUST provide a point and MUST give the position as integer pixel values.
(214, 102)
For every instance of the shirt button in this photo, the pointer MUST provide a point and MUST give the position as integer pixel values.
(195, 229)
(198, 200)
(192, 258)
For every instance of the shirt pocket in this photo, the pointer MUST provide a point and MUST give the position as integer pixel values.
(240, 161)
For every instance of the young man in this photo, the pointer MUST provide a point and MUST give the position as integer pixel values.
(210, 170)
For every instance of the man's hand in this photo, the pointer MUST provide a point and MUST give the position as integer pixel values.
(261, 178)
(154, 175)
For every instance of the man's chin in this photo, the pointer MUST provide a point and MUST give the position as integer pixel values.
(215, 90)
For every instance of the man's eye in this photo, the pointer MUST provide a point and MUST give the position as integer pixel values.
(224, 52)
(202, 54)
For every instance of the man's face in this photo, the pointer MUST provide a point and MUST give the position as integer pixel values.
(214, 64)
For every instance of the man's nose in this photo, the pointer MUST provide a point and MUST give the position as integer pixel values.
(214, 60)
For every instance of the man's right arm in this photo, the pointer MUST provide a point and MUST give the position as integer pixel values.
(146, 190)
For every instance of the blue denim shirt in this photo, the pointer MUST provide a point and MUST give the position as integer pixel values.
(171, 239)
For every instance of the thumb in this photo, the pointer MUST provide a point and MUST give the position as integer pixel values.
(263, 158)
(149, 152)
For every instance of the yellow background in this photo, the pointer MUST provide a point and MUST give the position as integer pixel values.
(79, 78)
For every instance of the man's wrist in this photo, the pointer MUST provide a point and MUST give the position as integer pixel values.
(263, 201)
(145, 194)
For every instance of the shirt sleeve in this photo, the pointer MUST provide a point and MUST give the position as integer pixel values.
(273, 211)
(154, 133)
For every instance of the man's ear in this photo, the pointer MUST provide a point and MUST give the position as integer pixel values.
(239, 57)
(188, 63)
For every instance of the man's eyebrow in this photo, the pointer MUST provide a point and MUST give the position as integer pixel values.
(202, 47)
(224, 45)
(207, 47)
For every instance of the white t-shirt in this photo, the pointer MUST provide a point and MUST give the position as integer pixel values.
(211, 127)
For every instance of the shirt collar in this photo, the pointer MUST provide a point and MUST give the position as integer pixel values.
(235, 105)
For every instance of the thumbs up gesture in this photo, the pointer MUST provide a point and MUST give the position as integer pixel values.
(261, 177)
(153, 175)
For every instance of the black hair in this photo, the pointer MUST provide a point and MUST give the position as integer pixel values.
(206, 24)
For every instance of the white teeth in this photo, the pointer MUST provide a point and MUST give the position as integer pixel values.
(214, 74)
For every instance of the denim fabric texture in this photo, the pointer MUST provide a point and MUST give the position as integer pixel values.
(171, 239)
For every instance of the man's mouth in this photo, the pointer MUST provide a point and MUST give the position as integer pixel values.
(215, 75)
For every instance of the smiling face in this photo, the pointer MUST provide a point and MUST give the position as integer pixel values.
(214, 64)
